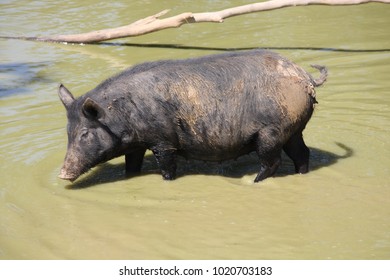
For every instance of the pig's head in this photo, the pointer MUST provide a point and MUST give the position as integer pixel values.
(90, 141)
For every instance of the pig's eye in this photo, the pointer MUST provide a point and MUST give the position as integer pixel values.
(84, 134)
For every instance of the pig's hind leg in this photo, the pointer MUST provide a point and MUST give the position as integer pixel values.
(296, 149)
(269, 155)
(166, 160)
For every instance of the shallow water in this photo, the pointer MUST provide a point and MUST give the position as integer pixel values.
(340, 210)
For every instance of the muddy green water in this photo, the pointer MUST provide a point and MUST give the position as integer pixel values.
(340, 210)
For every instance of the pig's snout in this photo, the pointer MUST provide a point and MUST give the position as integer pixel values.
(64, 175)
(71, 169)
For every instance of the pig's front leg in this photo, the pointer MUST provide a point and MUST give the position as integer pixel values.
(166, 160)
(134, 161)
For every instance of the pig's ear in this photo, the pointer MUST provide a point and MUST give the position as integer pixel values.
(92, 110)
(65, 96)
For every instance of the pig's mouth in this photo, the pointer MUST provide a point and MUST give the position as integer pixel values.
(70, 175)
(67, 176)
(73, 168)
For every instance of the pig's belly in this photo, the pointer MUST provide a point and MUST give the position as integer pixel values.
(205, 151)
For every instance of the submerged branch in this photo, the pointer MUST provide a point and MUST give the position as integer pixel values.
(154, 23)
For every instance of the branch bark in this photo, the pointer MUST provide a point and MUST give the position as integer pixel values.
(154, 23)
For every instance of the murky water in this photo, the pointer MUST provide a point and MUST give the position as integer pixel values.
(340, 210)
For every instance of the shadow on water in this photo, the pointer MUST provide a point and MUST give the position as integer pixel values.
(184, 47)
(17, 77)
(107, 172)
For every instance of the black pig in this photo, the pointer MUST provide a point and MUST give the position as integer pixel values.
(212, 108)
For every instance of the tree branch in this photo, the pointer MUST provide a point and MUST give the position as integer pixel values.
(154, 23)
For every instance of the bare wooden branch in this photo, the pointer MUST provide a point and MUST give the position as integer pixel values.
(140, 27)
(154, 23)
(273, 5)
